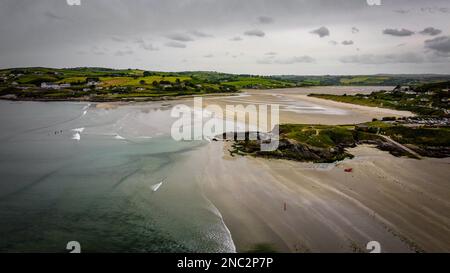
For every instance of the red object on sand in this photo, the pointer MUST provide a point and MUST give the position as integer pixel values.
(349, 170)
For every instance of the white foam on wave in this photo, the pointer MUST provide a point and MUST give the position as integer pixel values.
(117, 136)
(78, 130)
(145, 137)
(156, 186)
(86, 107)
(77, 137)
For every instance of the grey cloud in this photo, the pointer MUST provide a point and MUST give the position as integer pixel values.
(439, 45)
(209, 56)
(355, 30)
(180, 37)
(98, 51)
(118, 39)
(68, 30)
(349, 42)
(201, 34)
(271, 53)
(255, 32)
(398, 32)
(51, 15)
(121, 53)
(333, 43)
(435, 9)
(292, 60)
(431, 31)
(146, 46)
(236, 39)
(175, 45)
(401, 11)
(265, 20)
(383, 59)
(322, 32)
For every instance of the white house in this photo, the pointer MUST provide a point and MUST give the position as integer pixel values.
(93, 83)
(56, 86)
(46, 85)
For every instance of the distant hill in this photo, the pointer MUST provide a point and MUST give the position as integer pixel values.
(105, 84)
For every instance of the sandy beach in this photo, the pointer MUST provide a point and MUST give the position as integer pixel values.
(303, 207)
(401, 203)
(297, 107)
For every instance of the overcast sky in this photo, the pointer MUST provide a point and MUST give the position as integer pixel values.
(237, 36)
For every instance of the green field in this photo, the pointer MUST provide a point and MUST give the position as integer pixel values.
(117, 84)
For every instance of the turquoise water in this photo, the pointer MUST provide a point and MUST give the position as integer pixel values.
(75, 172)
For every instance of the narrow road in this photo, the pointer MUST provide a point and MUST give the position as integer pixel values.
(401, 146)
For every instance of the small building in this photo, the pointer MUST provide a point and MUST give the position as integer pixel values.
(362, 127)
(46, 85)
(402, 88)
(55, 86)
(92, 83)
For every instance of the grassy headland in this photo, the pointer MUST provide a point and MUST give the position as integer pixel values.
(326, 144)
(427, 134)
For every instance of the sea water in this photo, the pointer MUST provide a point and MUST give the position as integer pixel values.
(86, 173)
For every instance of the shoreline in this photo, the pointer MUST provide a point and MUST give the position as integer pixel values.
(165, 98)
(305, 207)
(387, 111)
(399, 202)
(131, 100)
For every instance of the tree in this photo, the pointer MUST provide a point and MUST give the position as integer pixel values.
(147, 74)
(142, 82)
(155, 83)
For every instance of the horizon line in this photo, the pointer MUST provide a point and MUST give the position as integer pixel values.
(230, 73)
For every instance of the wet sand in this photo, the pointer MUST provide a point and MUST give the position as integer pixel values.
(401, 203)
(297, 107)
(302, 207)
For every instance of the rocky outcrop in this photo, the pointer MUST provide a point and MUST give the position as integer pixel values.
(292, 150)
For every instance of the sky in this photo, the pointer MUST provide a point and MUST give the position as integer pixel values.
(264, 37)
